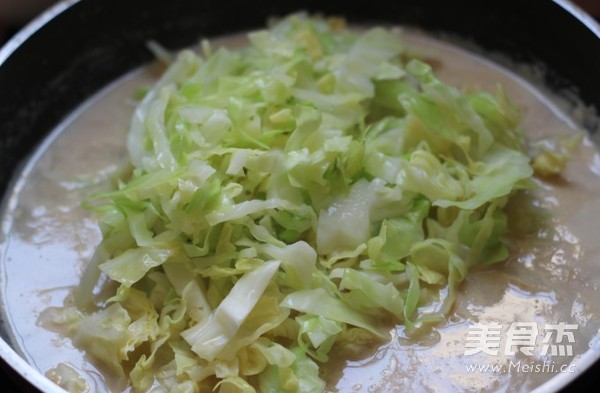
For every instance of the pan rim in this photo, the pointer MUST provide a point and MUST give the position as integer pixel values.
(33, 377)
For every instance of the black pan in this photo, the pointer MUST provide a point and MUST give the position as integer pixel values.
(79, 46)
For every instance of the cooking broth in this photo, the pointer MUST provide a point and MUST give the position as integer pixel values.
(552, 277)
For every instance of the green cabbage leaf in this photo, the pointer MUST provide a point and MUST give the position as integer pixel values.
(318, 188)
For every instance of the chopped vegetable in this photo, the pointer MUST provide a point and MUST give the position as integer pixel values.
(551, 155)
(316, 187)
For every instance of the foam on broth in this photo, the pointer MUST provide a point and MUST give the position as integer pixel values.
(553, 277)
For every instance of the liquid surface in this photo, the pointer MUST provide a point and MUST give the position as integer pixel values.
(552, 277)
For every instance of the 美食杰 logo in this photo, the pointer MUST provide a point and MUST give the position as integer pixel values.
(524, 337)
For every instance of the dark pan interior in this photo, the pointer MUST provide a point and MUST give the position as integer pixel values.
(93, 42)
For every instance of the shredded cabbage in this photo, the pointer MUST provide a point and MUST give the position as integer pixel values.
(314, 188)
